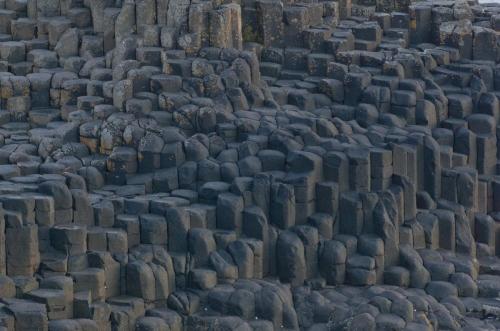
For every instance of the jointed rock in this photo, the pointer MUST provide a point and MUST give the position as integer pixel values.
(255, 165)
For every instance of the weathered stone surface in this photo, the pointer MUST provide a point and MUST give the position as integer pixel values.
(249, 165)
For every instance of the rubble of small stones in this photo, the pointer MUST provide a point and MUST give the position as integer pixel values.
(170, 165)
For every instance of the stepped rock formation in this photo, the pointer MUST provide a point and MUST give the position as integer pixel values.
(171, 165)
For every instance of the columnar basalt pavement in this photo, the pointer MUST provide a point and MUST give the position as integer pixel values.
(217, 165)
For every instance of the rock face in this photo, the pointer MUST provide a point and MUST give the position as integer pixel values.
(249, 165)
